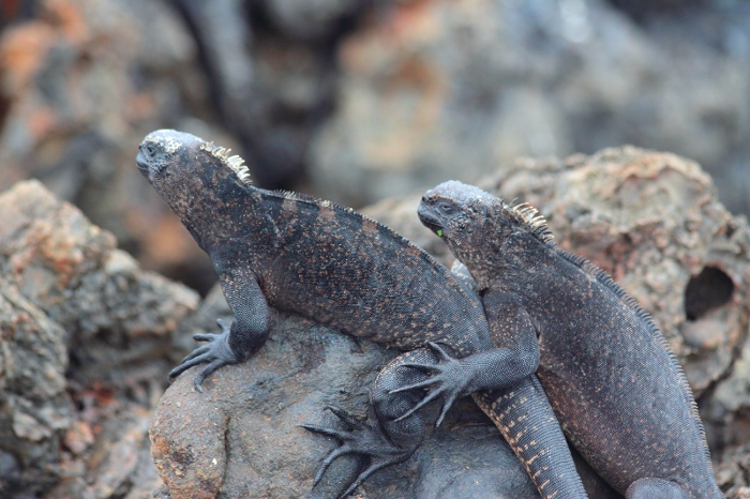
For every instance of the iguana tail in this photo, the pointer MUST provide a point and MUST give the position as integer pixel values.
(525, 418)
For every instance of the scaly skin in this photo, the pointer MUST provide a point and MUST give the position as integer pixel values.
(615, 386)
(333, 265)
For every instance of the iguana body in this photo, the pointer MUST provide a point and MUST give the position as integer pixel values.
(340, 268)
(615, 386)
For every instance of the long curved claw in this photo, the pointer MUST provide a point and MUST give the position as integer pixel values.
(442, 354)
(345, 416)
(329, 432)
(205, 337)
(328, 461)
(213, 336)
(196, 353)
(187, 364)
(206, 371)
(429, 398)
(446, 405)
(428, 368)
(422, 384)
(366, 474)
(366, 439)
(217, 353)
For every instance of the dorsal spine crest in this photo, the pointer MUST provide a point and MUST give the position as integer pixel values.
(234, 163)
(531, 217)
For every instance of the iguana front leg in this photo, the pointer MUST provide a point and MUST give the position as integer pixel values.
(493, 369)
(248, 332)
(451, 377)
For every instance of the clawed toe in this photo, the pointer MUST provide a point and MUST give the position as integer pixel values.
(364, 439)
(345, 416)
(329, 432)
(217, 353)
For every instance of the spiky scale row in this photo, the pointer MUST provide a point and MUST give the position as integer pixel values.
(234, 163)
(531, 217)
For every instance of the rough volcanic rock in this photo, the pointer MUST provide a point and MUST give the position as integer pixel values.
(437, 88)
(269, 70)
(239, 437)
(84, 336)
(81, 84)
(311, 20)
(733, 474)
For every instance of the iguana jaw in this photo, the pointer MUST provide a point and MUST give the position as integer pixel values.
(142, 164)
(429, 219)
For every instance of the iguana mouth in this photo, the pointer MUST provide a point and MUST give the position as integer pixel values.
(142, 164)
(429, 220)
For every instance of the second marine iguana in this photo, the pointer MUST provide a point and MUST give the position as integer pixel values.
(334, 265)
(617, 389)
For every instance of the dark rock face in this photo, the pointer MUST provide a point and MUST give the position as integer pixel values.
(85, 339)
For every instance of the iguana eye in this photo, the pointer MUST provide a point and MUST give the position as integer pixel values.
(446, 208)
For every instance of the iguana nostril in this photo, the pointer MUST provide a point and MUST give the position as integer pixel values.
(709, 290)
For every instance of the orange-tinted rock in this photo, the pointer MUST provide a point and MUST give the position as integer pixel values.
(85, 336)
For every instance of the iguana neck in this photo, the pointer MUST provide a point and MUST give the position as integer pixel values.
(511, 264)
(217, 216)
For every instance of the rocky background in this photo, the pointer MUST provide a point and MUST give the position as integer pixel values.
(353, 101)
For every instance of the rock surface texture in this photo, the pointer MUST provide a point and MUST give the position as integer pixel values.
(650, 219)
(437, 88)
(85, 338)
(360, 100)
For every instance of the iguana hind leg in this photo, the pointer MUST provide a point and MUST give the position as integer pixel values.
(386, 438)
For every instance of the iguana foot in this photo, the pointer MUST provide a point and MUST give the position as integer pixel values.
(451, 378)
(217, 353)
(447, 379)
(366, 439)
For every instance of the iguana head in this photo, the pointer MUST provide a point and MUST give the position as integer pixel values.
(194, 177)
(481, 230)
(181, 166)
(166, 153)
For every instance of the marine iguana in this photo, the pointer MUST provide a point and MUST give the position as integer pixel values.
(616, 387)
(336, 266)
